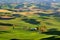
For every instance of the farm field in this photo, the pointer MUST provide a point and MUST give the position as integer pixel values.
(8, 33)
(29, 20)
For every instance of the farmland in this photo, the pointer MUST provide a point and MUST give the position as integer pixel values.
(8, 33)
(29, 22)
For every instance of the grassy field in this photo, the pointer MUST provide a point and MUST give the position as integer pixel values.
(18, 33)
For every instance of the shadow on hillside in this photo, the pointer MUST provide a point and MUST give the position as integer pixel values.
(1, 32)
(15, 39)
(57, 14)
(52, 32)
(31, 21)
(16, 15)
(6, 18)
(6, 24)
(51, 38)
(20, 39)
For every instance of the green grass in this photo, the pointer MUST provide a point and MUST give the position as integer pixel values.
(23, 34)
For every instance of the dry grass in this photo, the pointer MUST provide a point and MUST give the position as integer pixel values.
(2, 10)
